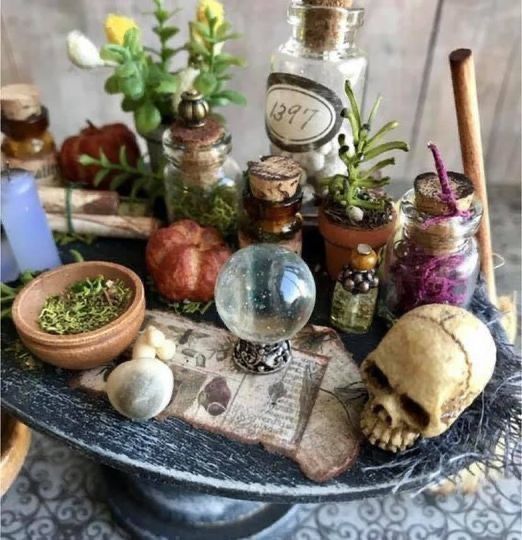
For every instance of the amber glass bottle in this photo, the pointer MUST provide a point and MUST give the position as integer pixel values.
(27, 143)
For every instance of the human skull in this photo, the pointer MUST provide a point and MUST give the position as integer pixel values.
(428, 368)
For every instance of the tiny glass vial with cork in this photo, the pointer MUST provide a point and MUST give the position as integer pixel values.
(271, 204)
(355, 293)
(197, 185)
(28, 144)
(433, 257)
(305, 89)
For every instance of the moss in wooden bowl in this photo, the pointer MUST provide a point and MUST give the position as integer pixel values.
(84, 306)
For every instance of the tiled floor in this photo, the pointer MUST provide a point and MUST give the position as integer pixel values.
(59, 494)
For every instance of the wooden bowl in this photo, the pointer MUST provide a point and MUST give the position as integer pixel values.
(89, 349)
(16, 439)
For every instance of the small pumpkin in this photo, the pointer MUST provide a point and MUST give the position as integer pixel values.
(184, 260)
(91, 141)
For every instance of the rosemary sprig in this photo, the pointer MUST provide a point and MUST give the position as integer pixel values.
(84, 306)
(143, 178)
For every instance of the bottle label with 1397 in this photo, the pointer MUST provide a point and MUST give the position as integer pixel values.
(300, 114)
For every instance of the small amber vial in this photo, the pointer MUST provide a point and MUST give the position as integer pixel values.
(355, 293)
(271, 222)
(27, 143)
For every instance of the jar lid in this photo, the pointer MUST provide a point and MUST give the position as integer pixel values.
(429, 198)
(20, 101)
(194, 127)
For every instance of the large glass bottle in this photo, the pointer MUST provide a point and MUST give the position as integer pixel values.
(305, 89)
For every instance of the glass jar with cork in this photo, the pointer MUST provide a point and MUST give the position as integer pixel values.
(27, 143)
(355, 293)
(197, 184)
(271, 204)
(306, 84)
(433, 258)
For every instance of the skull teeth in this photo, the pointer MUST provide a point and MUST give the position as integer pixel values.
(377, 430)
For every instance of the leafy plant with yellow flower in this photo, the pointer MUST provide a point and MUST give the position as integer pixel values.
(207, 35)
(143, 76)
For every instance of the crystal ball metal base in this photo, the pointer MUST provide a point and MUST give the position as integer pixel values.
(262, 358)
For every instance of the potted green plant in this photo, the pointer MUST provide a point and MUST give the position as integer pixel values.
(143, 76)
(356, 209)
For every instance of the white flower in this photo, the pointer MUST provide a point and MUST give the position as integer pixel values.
(187, 77)
(82, 51)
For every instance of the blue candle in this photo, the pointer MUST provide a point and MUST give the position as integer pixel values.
(25, 224)
(8, 267)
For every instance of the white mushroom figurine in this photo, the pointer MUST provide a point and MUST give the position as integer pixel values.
(142, 387)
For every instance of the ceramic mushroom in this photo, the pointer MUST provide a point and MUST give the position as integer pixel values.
(429, 367)
(142, 387)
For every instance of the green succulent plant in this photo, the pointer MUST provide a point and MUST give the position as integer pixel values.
(355, 188)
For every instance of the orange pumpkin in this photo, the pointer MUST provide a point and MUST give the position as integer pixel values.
(184, 260)
(91, 140)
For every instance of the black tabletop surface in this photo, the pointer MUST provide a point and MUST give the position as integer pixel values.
(172, 451)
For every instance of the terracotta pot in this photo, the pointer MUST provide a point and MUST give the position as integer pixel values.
(78, 351)
(341, 239)
(16, 439)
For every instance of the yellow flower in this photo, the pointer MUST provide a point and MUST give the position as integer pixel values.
(116, 26)
(216, 10)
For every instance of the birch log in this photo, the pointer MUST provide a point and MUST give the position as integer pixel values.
(109, 226)
(82, 201)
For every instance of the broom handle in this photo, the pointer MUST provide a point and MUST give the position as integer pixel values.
(466, 104)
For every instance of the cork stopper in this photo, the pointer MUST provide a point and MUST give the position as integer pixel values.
(274, 178)
(429, 198)
(20, 101)
(325, 28)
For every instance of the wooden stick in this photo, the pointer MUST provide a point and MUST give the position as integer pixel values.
(110, 226)
(82, 201)
(466, 104)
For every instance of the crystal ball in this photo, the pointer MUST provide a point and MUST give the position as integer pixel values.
(265, 293)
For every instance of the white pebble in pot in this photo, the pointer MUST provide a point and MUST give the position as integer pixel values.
(140, 389)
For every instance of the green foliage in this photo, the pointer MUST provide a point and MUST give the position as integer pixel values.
(65, 238)
(143, 82)
(216, 207)
(142, 178)
(8, 293)
(84, 306)
(206, 41)
(186, 307)
(346, 190)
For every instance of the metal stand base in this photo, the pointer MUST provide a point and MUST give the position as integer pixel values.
(154, 512)
(262, 358)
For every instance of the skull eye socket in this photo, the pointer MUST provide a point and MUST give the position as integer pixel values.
(415, 411)
(377, 377)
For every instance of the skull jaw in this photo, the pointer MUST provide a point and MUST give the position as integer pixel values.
(381, 434)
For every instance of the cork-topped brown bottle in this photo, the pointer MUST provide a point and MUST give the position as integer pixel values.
(27, 143)
(271, 203)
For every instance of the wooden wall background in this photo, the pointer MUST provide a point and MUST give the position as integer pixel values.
(408, 42)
